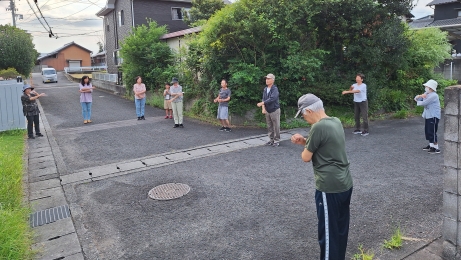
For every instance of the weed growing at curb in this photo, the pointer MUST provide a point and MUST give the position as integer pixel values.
(395, 242)
(362, 255)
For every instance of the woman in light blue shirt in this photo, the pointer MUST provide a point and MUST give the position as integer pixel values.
(432, 112)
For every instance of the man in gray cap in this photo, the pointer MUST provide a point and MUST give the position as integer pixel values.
(326, 148)
(271, 108)
(31, 111)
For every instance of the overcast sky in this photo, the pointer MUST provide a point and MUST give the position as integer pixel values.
(76, 20)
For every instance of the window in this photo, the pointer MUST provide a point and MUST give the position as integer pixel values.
(117, 59)
(459, 13)
(176, 13)
(107, 24)
(121, 18)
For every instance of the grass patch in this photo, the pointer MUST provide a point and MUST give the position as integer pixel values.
(363, 254)
(402, 114)
(155, 100)
(15, 233)
(395, 242)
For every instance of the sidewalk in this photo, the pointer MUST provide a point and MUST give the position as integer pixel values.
(51, 219)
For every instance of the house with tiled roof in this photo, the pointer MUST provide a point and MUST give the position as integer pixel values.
(69, 55)
(120, 16)
(447, 17)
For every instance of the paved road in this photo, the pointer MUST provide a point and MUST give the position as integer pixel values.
(254, 203)
(115, 133)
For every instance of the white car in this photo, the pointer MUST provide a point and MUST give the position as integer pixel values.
(49, 75)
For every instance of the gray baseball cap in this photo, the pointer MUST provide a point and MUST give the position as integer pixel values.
(270, 76)
(305, 101)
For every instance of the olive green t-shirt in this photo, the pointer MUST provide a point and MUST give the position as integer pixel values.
(331, 168)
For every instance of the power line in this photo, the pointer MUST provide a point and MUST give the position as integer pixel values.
(51, 33)
(80, 2)
(78, 11)
(36, 15)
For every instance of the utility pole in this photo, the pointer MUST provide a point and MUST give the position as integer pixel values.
(12, 6)
(13, 9)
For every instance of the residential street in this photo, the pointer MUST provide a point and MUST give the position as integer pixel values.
(247, 201)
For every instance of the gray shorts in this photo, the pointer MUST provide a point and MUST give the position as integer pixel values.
(223, 112)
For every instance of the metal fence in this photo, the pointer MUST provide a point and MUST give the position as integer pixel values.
(104, 77)
(11, 116)
(77, 69)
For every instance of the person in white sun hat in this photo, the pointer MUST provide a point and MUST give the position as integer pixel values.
(431, 103)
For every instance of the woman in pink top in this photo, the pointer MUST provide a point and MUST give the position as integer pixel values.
(85, 98)
(139, 90)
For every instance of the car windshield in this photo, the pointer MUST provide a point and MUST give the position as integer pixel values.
(49, 72)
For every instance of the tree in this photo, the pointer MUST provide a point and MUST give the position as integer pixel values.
(16, 50)
(145, 55)
(201, 11)
(101, 47)
(311, 45)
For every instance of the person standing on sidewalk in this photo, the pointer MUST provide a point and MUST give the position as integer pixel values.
(176, 101)
(223, 108)
(271, 107)
(359, 90)
(31, 111)
(326, 148)
(139, 90)
(167, 105)
(432, 112)
(86, 99)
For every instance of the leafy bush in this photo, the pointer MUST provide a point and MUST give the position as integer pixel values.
(145, 55)
(9, 73)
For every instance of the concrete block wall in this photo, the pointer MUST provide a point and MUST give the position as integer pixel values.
(452, 175)
(109, 86)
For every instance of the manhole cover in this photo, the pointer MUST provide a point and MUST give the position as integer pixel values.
(169, 191)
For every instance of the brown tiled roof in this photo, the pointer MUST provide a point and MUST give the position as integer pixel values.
(181, 33)
(62, 48)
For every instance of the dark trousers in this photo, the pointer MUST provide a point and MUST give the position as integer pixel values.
(361, 108)
(430, 129)
(333, 215)
(31, 121)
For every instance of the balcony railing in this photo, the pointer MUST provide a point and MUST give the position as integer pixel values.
(104, 77)
(77, 69)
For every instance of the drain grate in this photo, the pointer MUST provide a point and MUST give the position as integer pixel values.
(169, 191)
(47, 216)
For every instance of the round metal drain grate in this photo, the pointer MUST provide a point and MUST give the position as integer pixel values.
(169, 191)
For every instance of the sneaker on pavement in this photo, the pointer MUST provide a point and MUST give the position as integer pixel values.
(357, 131)
(181, 125)
(364, 133)
(275, 144)
(427, 148)
(227, 129)
(39, 135)
(432, 150)
(270, 143)
(222, 128)
(176, 126)
(166, 117)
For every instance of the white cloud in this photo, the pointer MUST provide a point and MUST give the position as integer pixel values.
(421, 9)
(70, 20)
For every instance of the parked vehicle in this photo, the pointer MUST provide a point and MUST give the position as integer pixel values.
(49, 75)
